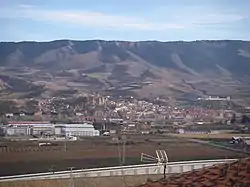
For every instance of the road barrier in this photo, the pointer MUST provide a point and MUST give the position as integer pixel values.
(145, 169)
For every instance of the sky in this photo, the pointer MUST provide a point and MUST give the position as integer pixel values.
(133, 20)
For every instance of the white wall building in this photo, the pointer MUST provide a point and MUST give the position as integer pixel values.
(85, 129)
(59, 129)
(33, 128)
(42, 128)
(18, 130)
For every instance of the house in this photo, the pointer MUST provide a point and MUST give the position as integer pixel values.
(8, 115)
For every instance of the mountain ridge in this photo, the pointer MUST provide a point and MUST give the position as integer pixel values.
(160, 41)
(124, 66)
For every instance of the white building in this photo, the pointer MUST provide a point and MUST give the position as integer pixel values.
(33, 128)
(45, 128)
(217, 98)
(41, 129)
(59, 129)
(84, 129)
(18, 130)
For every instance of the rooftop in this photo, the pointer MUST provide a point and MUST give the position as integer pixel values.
(28, 122)
(233, 174)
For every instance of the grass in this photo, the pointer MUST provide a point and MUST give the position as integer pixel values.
(84, 182)
(98, 75)
(209, 136)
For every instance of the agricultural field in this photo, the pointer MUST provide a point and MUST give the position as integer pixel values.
(218, 140)
(98, 75)
(226, 136)
(27, 157)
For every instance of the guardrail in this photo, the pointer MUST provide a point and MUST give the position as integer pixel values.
(145, 169)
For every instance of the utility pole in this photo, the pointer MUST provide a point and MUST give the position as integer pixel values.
(165, 168)
(71, 182)
(123, 149)
(65, 143)
(119, 150)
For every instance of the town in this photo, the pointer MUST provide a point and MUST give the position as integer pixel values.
(94, 115)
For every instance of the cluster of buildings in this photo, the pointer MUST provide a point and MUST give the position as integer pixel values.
(104, 109)
(40, 129)
(144, 110)
(217, 98)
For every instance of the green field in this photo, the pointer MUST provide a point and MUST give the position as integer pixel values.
(210, 136)
(98, 75)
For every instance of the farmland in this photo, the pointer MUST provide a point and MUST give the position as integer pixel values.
(226, 136)
(27, 157)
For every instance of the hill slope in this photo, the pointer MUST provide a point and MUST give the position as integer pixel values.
(150, 68)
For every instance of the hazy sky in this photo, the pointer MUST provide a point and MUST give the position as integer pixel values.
(165, 20)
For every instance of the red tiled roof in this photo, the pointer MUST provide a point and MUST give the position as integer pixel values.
(225, 175)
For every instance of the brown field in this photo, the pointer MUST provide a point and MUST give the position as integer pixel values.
(210, 136)
(27, 157)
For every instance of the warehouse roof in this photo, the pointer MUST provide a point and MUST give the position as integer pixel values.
(28, 122)
(82, 125)
(233, 174)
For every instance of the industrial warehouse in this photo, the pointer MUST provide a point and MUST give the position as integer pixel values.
(49, 129)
